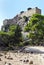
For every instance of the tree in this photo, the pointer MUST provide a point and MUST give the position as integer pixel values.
(35, 28)
(11, 38)
(4, 39)
(15, 34)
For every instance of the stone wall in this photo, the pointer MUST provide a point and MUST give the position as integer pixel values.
(31, 12)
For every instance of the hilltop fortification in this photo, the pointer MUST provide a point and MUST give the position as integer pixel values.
(21, 19)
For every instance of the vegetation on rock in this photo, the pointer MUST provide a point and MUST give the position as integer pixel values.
(35, 27)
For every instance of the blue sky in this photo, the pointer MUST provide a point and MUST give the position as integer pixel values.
(9, 8)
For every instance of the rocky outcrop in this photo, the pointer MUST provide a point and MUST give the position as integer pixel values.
(22, 18)
(21, 21)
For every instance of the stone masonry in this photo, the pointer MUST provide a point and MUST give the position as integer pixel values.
(18, 19)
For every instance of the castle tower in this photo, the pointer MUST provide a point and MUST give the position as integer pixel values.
(37, 10)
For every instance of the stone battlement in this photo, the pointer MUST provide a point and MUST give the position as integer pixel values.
(30, 12)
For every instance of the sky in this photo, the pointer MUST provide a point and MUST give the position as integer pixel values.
(10, 8)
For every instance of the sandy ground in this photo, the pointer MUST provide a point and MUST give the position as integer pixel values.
(21, 58)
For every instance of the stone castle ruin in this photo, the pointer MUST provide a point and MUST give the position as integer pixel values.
(21, 19)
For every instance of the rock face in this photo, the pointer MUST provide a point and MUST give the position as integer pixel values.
(20, 19)
(16, 20)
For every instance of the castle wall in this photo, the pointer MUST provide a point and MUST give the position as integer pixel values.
(31, 12)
